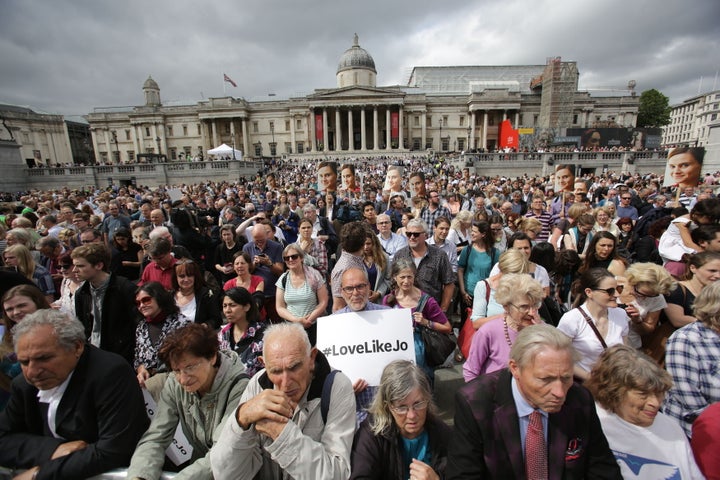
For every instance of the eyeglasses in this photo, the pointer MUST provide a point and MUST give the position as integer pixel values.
(65, 267)
(143, 301)
(294, 256)
(611, 291)
(413, 234)
(187, 371)
(404, 409)
(526, 308)
(640, 295)
(351, 288)
(625, 198)
(382, 223)
(497, 229)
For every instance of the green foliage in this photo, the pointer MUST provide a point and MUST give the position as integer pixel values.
(654, 109)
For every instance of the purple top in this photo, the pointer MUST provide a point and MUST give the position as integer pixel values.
(432, 310)
(489, 350)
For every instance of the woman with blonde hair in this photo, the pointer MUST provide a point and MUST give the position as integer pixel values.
(460, 230)
(562, 227)
(530, 226)
(19, 258)
(603, 222)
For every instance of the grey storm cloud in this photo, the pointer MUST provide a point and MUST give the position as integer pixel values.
(72, 56)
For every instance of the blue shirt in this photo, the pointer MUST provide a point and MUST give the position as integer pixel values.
(274, 251)
(524, 410)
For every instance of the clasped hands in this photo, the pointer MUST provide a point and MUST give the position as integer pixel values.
(269, 412)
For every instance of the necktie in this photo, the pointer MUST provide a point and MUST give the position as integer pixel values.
(536, 463)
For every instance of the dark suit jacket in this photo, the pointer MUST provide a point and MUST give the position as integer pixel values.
(119, 315)
(486, 438)
(102, 405)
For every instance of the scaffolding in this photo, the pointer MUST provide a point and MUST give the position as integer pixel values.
(559, 83)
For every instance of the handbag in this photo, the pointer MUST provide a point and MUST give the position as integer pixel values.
(467, 331)
(438, 346)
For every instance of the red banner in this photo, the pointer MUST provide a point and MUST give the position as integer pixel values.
(508, 137)
(394, 124)
(319, 127)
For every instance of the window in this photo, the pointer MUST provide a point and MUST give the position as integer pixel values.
(147, 131)
(272, 126)
(288, 146)
(170, 131)
(116, 157)
(26, 137)
(416, 119)
(127, 134)
(444, 121)
(258, 148)
(416, 143)
(255, 127)
(445, 144)
(173, 153)
(428, 143)
(713, 117)
(131, 155)
(287, 125)
(461, 143)
(300, 146)
(187, 150)
(429, 121)
(462, 120)
(185, 131)
(199, 129)
(298, 124)
(103, 157)
(535, 119)
(273, 149)
(575, 119)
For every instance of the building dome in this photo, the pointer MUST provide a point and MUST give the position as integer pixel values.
(150, 83)
(356, 57)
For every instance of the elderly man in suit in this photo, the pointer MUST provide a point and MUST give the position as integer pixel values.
(76, 411)
(530, 421)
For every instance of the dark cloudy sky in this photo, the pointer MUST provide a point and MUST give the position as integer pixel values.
(71, 56)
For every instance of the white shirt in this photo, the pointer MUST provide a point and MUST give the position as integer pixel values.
(52, 397)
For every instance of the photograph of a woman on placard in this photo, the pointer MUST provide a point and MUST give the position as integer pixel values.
(417, 185)
(350, 179)
(327, 177)
(564, 178)
(684, 167)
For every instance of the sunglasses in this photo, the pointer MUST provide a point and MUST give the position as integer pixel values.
(413, 234)
(294, 256)
(610, 291)
(66, 267)
(143, 301)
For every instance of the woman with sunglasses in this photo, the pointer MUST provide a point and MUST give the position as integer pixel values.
(160, 317)
(302, 294)
(596, 322)
(203, 390)
(68, 286)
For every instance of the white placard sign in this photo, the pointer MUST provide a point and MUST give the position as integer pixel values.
(180, 450)
(361, 344)
(175, 194)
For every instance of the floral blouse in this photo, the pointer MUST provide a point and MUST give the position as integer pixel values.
(146, 352)
(249, 348)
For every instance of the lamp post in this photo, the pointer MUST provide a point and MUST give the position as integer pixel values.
(273, 146)
(440, 146)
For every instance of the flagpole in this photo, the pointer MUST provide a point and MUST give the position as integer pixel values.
(224, 86)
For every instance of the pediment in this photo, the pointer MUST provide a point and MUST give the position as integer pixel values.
(356, 92)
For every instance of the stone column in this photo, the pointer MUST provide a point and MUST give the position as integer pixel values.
(338, 133)
(423, 130)
(484, 132)
(232, 133)
(351, 140)
(401, 134)
(96, 150)
(472, 130)
(363, 139)
(163, 141)
(313, 132)
(140, 139)
(246, 140)
(376, 128)
(325, 130)
(136, 145)
(108, 136)
(214, 135)
(504, 115)
(388, 130)
(517, 119)
(293, 146)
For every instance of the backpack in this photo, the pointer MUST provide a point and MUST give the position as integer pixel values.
(325, 396)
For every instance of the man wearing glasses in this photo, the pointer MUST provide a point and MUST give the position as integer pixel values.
(625, 209)
(391, 242)
(433, 210)
(105, 302)
(434, 272)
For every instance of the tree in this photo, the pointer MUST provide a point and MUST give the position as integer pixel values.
(654, 109)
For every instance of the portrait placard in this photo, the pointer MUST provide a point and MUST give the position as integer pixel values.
(180, 450)
(684, 167)
(361, 344)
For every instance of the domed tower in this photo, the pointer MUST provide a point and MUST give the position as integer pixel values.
(152, 93)
(356, 67)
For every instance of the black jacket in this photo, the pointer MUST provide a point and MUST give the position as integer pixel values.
(119, 315)
(379, 457)
(102, 405)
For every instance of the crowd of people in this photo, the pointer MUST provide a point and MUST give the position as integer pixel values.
(584, 311)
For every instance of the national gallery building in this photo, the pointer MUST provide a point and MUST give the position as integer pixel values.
(451, 108)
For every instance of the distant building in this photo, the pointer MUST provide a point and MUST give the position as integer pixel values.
(46, 139)
(450, 108)
(692, 120)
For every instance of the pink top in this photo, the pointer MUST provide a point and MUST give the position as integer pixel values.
(254, 282)
(489, 350)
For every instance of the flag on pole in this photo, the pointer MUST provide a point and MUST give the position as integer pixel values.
(229, 80)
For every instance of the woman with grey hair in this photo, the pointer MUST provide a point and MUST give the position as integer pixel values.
(520, 297)
(692, 357)
(302, 295)
(629, 387)
(402, 437)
